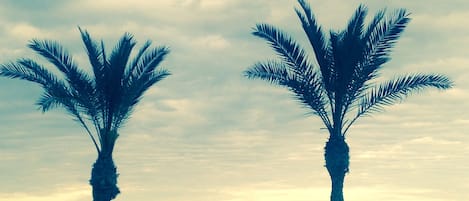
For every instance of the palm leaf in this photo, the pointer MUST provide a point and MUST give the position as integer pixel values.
(57, 94)
(150, 60)
(58, 56)
(315, 35)
(139, 76)
(396, 90)
(308, 91)
(136, 60)
(113, 87)
(120, 56)
(290, 52)
(95, 57)
(271, 71)
(135, 91)
(380, 41)
(79, 82)
(375, 50)
(15, 70)
(356, 22)
(379, 16)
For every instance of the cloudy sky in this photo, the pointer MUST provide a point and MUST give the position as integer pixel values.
(208, 134)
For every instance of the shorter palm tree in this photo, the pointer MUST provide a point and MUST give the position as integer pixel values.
(103, 100)
(348, 63)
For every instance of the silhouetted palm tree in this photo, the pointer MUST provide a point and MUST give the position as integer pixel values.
(101, 101)
(341, 89)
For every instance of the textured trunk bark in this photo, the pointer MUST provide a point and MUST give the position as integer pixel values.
(337, 164)
(104, 179)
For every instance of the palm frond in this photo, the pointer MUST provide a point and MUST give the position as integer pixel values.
(137, 59)
(272, 71)
(77, 79)
(57, 94)
(135, 91)
(47, 102)
(149, 61)
(27, 69)
(289, 50)
(338, 69)
(396, 90)
(152, 59)
(120, 56)
(312, 94)
(55, 53)
(145, 82)
(308, 91)
(373, 24)
(351, 49)
(380, 41)
(95, 55)
(104, 79)
(96, 58)
(15, 70)
(106, 71)
(317, 40)
(356, 23)
(139, 76)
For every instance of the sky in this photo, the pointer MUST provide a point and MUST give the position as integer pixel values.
(206, 133)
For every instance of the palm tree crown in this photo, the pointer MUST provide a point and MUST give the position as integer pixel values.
(348, 60)
(104, 99)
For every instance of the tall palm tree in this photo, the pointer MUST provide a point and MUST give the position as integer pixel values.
(100, 102)
(343, 87)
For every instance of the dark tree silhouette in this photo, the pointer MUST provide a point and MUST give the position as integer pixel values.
(102, 101)
(341, 89)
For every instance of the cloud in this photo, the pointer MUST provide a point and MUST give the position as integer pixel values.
(213, 42)
(65, 194)
(280, 193)
(26, 31)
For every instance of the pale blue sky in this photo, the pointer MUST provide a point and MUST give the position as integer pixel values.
(206, 133)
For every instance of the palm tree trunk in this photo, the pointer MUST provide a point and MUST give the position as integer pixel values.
(104, 178)
(337, 164)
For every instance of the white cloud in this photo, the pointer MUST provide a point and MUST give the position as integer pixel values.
(431, 141)
(26, 31)
(216, 42)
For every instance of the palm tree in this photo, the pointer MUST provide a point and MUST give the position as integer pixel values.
(102, 101)
(343, 88)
